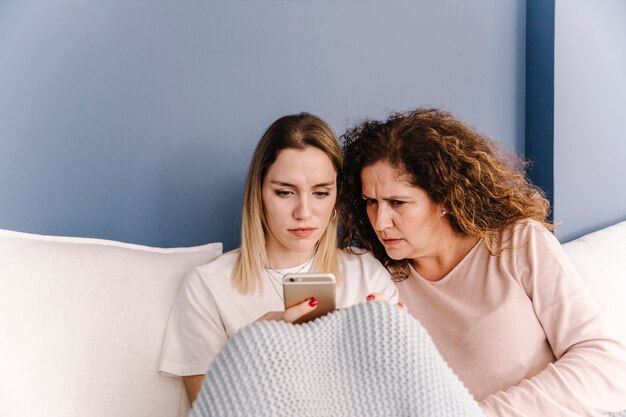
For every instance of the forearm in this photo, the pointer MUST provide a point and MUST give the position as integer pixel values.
(586, 381)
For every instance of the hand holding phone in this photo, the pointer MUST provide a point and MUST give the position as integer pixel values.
(300, 287)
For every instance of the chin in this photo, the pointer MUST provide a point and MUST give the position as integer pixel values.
(303, 246)
(395, 255)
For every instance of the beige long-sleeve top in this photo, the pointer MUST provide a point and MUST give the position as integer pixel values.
(522, 331)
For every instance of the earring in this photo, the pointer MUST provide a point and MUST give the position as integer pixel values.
(444, 212)
(334, 215)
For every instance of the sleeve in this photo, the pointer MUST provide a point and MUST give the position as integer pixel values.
(588, 376)
(194, 333)
(379, 279)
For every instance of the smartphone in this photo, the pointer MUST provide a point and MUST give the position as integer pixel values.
(300, 287)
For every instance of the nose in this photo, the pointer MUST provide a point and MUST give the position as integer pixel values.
(302, 210)
(382, 218)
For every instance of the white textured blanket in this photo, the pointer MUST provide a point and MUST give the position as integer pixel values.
(368, 360)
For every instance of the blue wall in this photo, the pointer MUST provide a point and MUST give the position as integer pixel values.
(135, 120)
(589, 115)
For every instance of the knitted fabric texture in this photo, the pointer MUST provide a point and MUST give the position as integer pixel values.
(371, 359)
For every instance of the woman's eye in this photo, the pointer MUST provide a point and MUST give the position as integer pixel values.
(321, 194)
(283, 193)
(369, 201)
(398, 203)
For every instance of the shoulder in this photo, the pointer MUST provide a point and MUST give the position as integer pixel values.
(224, 261)
(365, 275)
(357, 259)
(536, 249)
(528, 233)
(527, 246)
(356, 256)
(529, 225)
(218, 269)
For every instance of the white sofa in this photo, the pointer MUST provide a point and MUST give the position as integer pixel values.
(81, 324)
(600, 259)
(82, 320)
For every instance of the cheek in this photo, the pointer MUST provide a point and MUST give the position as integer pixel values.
(266, 201)
(272, 211)
(325, 206)
(371, 214)
(270, 220)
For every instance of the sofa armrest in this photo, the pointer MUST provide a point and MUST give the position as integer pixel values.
(600, 259)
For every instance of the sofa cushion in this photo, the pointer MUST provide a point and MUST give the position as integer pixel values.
(82, 325)
(600, 259)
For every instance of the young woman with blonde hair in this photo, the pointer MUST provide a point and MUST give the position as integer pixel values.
(289, 225)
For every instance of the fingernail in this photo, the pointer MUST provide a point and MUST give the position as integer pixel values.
(371, 297)
(400, 305)
(313, 302)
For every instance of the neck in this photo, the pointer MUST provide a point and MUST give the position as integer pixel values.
(286, 259)
(445, 259)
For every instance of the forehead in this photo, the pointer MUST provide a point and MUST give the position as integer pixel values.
(310, 163)
(385, 171)
(386, 181)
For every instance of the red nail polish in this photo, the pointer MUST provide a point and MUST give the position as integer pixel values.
(313, 302)
(371, 297)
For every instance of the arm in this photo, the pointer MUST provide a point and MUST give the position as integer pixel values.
(193, 384)
(194, 332)
(587, 377)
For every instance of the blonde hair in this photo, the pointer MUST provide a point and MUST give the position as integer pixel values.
(297, 131)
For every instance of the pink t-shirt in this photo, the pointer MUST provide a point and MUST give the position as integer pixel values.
(522, 331)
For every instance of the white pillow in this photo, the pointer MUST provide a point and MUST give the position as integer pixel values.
(81, 326)
(600, 259)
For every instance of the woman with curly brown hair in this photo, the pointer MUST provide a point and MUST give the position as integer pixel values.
(466, 237)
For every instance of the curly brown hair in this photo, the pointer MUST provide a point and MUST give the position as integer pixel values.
(483, 188)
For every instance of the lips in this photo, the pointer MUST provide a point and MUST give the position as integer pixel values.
(303, 231)
(391, 242)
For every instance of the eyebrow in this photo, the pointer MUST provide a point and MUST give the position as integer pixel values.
(391, 197)
(286, 184)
